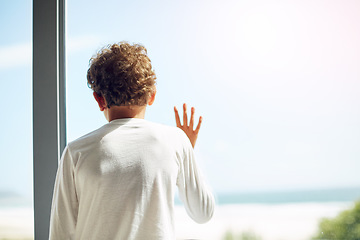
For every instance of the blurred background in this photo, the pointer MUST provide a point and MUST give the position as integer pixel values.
(277, 83)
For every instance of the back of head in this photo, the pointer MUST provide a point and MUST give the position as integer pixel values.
(122, 73)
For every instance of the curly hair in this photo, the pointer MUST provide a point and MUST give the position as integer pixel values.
(122, 74)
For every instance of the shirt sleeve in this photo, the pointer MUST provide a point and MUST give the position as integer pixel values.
(193, 192)
(64, 207)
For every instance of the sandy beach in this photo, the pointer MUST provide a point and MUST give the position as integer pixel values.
(16, 223)
(296, 221)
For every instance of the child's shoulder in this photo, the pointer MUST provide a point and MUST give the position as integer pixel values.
(169, 130)
(172, 134)
(88, 138)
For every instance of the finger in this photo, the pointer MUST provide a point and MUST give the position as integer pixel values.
(192, 118)
(177, 118)
(199, 125)
(185, 115)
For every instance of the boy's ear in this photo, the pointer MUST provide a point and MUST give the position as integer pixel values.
(152, 98)
(100, 100)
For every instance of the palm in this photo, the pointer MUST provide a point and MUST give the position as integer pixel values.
(188, 128)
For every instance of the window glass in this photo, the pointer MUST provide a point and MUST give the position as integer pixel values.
(277, 84)
(16, 183)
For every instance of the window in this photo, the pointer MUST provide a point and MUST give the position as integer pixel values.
(16, 188)
(277, 85)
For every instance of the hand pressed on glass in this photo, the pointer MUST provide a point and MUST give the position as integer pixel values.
(188, 129)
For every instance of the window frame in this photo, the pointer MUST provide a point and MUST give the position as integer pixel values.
(49, 105)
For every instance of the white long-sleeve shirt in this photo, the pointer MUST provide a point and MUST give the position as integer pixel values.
(119, 181)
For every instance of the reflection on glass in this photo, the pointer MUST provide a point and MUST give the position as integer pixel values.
(16, 208)
(277, 84)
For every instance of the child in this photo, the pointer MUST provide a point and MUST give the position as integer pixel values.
(119, 181)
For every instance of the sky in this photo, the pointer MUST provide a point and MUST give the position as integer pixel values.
(277, 83)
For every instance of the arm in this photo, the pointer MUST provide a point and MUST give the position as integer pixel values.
(193, 192)
(64, 207)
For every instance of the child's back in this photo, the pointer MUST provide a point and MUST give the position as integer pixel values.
(124, 177)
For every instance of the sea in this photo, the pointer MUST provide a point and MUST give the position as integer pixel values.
(347, 194)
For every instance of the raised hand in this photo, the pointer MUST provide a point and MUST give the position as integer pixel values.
(188, 128)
